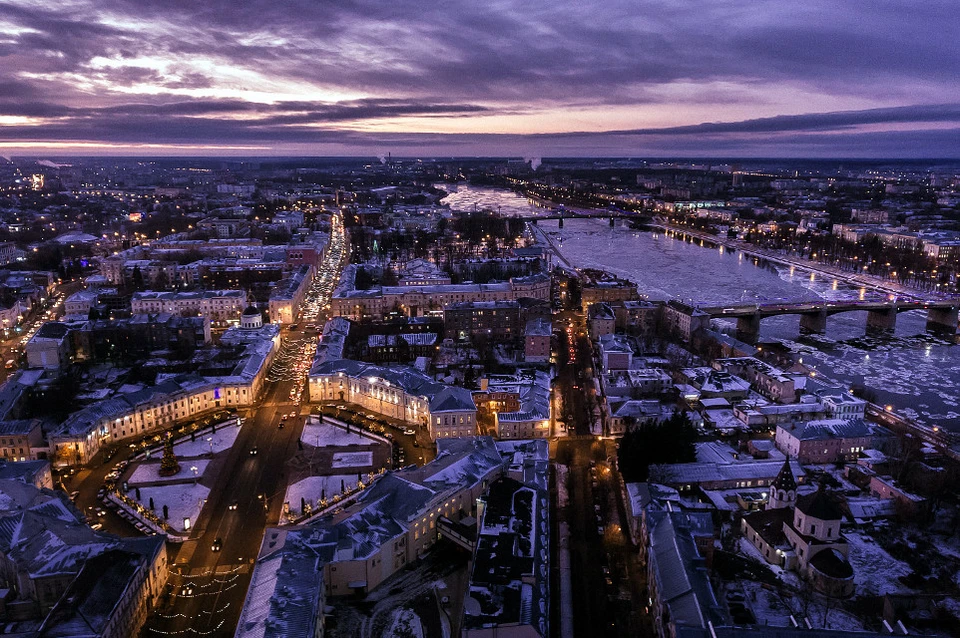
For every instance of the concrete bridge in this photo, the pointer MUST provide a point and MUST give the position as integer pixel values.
(599, 213)
(942, 315)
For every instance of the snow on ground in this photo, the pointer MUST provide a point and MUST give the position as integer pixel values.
(150, 472)
(774, 608)
(322, 434)
(948, 545)
(342, 460)
(562, 495)
(182, 501)
(406, 624)
(220, 440)
(766, 605)
(874, 570)
(313, 488)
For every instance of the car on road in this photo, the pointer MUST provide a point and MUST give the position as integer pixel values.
(253, 451)
(74, 494)
(233, 506)
(217, 544)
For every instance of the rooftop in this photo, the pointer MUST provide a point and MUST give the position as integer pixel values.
(509, 583)
(539, 327)
(827, 429)
(745, 470)
(682, 581)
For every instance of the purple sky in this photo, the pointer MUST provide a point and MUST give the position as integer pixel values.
(775, 78)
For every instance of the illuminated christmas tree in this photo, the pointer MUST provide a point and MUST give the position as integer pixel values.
(169, 464)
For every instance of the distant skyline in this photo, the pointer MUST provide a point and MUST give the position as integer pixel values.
(641, 78)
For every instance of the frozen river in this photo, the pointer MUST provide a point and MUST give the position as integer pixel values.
(913, 370)
(467, 198)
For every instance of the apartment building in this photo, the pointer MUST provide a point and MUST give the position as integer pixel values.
(398, 392)
(219, 306)
(352, 547)
(415, 301)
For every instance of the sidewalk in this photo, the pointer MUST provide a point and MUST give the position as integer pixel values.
(566, 587)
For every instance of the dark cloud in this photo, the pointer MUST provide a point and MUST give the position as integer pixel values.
(80, 65)
(814, 121)
(292, 126)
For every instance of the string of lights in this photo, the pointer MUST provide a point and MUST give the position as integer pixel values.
(175, 616)
(207, 593)
(210, 572)
(188, 630)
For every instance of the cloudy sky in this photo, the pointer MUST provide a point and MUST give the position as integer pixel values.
(775, 78)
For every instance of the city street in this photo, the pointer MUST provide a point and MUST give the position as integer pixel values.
(14, 340)
(209, 574)
(207, 587)
(607, 577)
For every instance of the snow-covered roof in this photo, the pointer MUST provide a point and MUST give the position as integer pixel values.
(285, 592)
(287, 581)
(42, 533)
(287, 288)
(712, 472)
(148, 295)
(533, 393)
(539, 327)
(827, 429)
(644, 495)
(509, 584)
(682, 581)
(710, 380)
